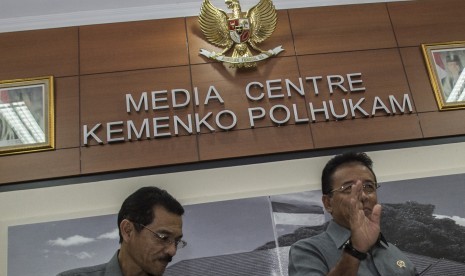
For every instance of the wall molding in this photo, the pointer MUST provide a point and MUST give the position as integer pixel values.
(81, 18)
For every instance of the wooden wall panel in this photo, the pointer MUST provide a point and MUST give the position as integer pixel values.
(133, 45)
(258, 141)
(39, 53)
(366, 131)
(39, 165)
(418, 79)
(341, 28)
(141, 154)
(67, 112)
(231, 85)
(437, 124)
(103, 97)
(427, 21)
(281, 36)
(96, 66)
(381, 75)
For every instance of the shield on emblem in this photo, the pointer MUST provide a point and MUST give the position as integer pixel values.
(239, 29)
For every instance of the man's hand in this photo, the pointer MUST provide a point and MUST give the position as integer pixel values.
(364, 222)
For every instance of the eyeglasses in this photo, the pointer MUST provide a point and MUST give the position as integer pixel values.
(368, 187)
(166, 240)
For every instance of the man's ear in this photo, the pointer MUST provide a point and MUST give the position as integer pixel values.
(127, 229)
(327, 203)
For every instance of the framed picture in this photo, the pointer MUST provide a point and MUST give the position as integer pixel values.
(26, 115)
(445, 62)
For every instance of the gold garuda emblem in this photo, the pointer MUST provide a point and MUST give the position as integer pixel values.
(238, 31)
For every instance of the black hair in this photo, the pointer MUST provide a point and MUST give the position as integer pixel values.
(138, 207)
(339, 160)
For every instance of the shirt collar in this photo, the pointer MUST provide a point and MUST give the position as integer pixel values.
(340, 235)
(113, 267)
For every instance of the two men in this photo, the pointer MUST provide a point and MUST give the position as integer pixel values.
(150, 230)
(352, 243)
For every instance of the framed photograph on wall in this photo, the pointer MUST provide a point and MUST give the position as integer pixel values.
(26, 115)
(445, 62)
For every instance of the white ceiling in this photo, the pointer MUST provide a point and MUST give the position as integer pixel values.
(19, 15)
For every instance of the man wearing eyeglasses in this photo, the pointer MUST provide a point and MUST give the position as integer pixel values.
(352, 243)
(150, 230)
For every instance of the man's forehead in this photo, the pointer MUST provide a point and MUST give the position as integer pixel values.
(166, 220)
(352, 168)
(351, 164)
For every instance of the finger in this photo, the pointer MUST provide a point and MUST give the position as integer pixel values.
(357, 188)
(355, 212)
(356, 193)
(375, 216)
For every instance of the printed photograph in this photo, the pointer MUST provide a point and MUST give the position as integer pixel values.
(445, 62)
(449, 66)
(26, 115)
(424, 217)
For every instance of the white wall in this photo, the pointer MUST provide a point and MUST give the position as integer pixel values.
(105, 197)
(21, 15)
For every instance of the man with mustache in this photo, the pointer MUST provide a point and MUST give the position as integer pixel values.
(352, 243)
(150, 230)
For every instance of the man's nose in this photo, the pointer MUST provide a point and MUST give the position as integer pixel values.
(364, 194)
(171, 249)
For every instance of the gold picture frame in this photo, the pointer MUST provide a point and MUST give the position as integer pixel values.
(445, 62)
(27, 115)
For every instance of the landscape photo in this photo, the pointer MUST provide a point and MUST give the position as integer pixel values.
(252, 236)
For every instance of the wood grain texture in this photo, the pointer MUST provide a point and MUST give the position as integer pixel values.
(96, 66)
(258, 141)
(427, 21)
(103, 96)
(39, 165)
(366, 131)
(341, 28)
(39, 53)
(444, 123)
(381, 76)
(418, 79)
(133, 45)
(231, 85)
(141, 154)
(67, 112)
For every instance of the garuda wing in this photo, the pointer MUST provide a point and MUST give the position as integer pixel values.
(263, 19)
(214, 25)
